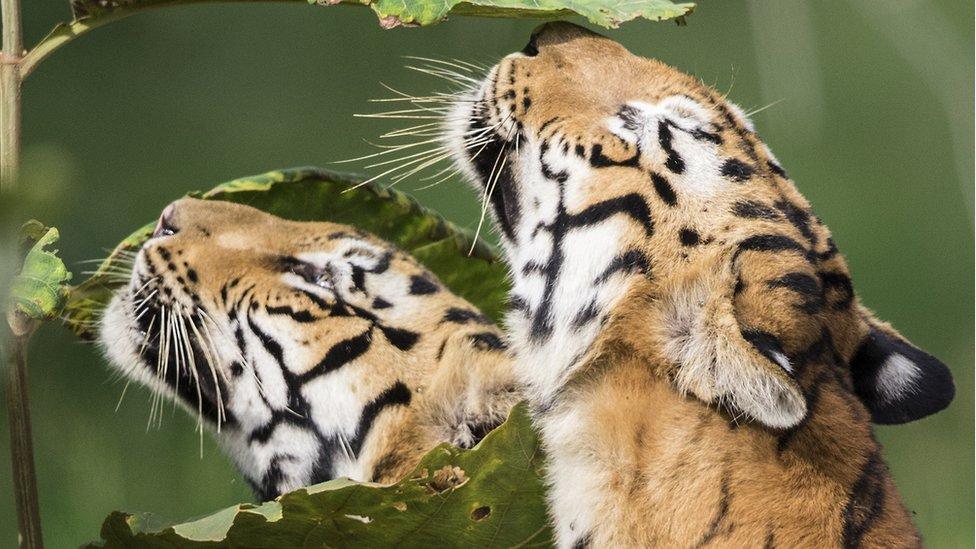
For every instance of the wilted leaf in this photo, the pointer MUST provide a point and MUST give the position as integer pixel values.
(491, 496)
(309, 194)
(40, 290)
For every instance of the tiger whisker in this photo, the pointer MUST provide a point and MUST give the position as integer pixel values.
(213, 371)
(492, 182)
(439, 61)
(122, 396)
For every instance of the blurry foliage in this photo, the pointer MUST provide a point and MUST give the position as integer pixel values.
(40, 290)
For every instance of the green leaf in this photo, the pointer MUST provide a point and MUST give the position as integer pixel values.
(393, 13)
(40, 291)
(91, 14)
(310, 194)
(605, 13)
(490, 496)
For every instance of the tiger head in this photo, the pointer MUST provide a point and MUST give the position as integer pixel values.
(314, 350)
(629, 193)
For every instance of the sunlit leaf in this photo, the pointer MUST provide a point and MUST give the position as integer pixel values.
(490, 496)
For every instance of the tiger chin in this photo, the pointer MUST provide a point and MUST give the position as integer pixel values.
(312, 350)
(699, 367)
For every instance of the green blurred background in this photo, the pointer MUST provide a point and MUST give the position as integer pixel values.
(873, 119)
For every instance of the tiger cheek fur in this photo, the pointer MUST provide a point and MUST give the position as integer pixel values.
(312, 350)
(700, 369)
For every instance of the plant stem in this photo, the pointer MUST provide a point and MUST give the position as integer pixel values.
(21, 447)
(13, 49)
(18, 410)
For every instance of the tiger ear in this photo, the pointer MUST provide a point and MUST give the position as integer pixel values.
(897, 381)
(719, 362)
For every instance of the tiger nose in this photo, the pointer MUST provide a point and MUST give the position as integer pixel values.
(553, 33)
(165, 226)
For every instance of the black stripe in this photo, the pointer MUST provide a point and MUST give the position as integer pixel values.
(750, 209)
(598, 160)
(298, 316)
(799, 218)
(702, 135)
(631, 204)
(400, 338)
(737, 170)
(770, 243)
(397, 395)
(422, 285)
(777, 169)
(584, 541)
(269, 343)
(805, 285)
(458, 315)
(632, 261)
(674, 163)
(340, 354)
(487, 341)
(586, 315)
(841, 283)
(766, 343)
(517, 303)
(296, 402)
(723, 509)
(866, 501)
(664, 189)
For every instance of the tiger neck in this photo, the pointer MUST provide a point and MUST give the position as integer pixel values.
(570, 265)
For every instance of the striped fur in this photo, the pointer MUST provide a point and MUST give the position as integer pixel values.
(700, 369)
(312, 350)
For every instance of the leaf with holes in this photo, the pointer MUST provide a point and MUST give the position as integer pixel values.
(310, 194)
(490, 496)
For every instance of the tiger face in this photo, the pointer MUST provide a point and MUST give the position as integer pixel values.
(314, 350)
(613, 175)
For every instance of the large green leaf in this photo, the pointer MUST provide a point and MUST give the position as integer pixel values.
(40, 290)
(392, 13)
(91, 14)
(491, 496)
(606, 13)
(310, 194)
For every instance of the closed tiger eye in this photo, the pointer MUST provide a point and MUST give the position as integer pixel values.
(311, 273)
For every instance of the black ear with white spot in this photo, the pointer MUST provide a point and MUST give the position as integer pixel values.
(897, 381)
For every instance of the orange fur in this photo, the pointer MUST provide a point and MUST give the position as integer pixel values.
(719, 394)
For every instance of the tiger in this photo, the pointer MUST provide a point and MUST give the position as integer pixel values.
(312, 350)
(683, 325)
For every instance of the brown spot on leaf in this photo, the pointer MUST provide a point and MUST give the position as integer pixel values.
(447, 478)
(390, 22)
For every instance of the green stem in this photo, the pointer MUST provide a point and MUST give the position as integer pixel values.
(10, 57)
(21, 446)
(18, 410)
